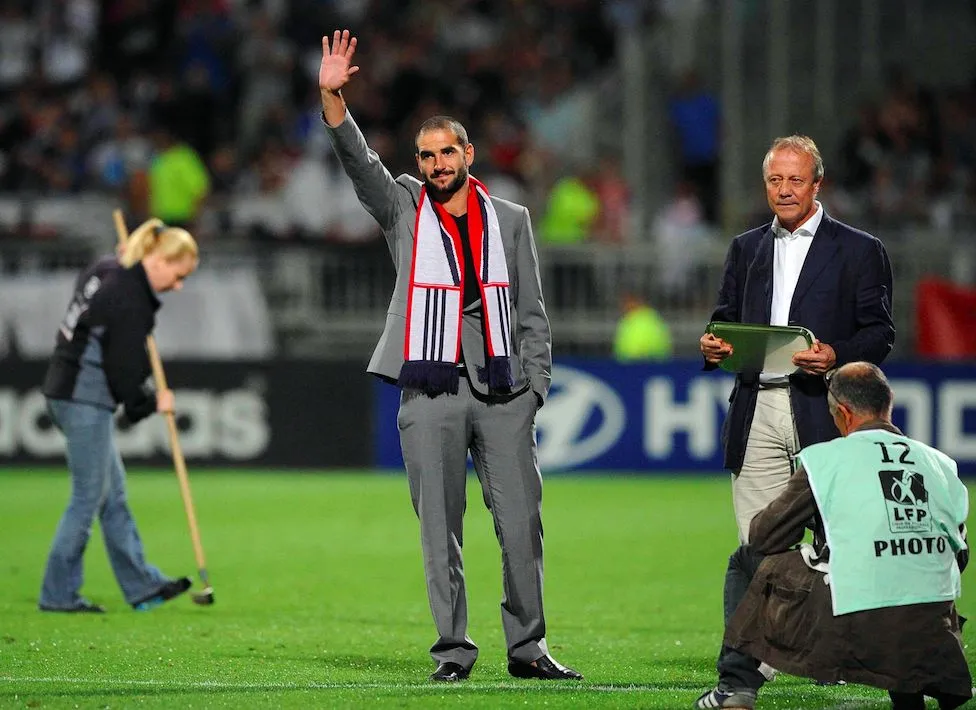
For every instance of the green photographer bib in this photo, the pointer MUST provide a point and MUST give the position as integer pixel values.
(891, 509)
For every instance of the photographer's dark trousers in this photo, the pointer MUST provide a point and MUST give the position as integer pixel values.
(737, 670)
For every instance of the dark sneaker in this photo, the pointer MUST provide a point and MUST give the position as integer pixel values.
(733, 700)
(84, 607)
(170, 590)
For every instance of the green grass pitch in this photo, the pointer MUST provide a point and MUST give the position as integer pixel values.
(320, 599)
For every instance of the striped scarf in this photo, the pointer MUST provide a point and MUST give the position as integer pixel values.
(432, 343)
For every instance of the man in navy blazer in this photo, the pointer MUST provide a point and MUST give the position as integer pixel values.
(833, 279)
(806, 269)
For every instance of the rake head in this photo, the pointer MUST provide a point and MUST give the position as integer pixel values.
(204, 598)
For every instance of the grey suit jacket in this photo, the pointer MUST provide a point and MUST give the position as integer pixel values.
(393, 204)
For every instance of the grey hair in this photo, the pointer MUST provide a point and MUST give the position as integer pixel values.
(797, 144)
(861, 387)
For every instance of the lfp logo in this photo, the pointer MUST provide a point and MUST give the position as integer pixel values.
(582, 420)
(907, 501)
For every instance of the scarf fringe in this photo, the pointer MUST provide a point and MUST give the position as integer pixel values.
(430, 377)
(498, 374)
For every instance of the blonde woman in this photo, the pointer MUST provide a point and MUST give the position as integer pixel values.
(100, 362)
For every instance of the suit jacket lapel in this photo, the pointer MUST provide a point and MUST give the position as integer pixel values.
(822, 251)
(758, 298)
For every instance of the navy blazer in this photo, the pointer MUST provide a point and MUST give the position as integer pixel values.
(843, 295)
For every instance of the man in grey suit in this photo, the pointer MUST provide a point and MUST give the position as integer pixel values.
(467, 339)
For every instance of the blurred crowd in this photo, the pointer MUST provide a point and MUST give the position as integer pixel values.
(911, 156)
(206, 112)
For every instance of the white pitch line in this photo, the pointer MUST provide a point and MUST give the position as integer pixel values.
(472, 686)
(440, 687)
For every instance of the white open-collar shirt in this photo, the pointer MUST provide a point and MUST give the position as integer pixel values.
(789, 252)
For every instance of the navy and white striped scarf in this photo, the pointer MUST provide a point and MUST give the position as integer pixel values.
(432, 343)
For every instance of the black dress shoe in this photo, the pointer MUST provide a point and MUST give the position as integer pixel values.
(450, 672)
(545, 668)
(84, 607)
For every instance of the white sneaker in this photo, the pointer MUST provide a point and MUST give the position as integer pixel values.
(733, 700)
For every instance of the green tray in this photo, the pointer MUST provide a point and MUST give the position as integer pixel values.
(761, 348)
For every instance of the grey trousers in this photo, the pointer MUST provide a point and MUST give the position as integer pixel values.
(436, 435)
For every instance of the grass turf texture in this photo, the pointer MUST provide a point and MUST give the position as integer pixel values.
(320, 599)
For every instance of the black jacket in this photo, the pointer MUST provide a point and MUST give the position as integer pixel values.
(843, 296)
(100, 357)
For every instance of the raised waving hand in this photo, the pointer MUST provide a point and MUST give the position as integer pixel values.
(336, 67)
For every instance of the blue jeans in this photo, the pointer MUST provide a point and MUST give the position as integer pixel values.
(97, 488)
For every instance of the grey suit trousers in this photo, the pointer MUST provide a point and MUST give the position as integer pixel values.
(435, 437)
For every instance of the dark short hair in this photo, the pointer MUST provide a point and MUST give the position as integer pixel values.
(861, 387)
(443, 123)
